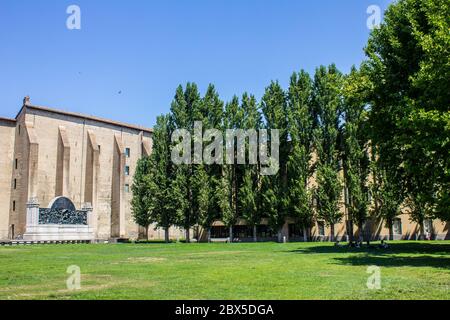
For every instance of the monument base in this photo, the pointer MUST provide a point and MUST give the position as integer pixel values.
(62, 222)
(58, 232)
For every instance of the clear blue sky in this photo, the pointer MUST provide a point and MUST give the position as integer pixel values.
(145, 48)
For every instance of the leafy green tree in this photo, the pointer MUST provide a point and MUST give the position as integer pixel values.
(300, 130)
(275, 111)
(387, 191)
(248, 202)
(249, 188)
(180, 202)
(327, 106)
(419, 211)
(161, 182)
(204, 196)
(151, 201)
(224, 196)
(274, 189)
(299, 196)
(355, 154)
(410, 72)
(210, 113)
(141, 204)
(233, 119)
(418, 205)
(184, 109)
(328, 194)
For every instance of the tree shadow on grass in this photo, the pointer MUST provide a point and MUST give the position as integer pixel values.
(397, 255)
(396, 261)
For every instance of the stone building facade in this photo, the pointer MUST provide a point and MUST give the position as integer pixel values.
(49, 153)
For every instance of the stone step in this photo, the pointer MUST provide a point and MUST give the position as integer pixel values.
(40, 242)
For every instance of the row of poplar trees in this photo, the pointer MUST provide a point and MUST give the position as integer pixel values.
(321, 132)
(376, 138)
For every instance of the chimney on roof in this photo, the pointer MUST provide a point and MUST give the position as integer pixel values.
(26, 101)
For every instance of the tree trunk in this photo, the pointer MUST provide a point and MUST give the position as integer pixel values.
(391, 230)
(350, 231)
(305, 234)
(255, 237)
(166, 234)
(209, 235)
(188, 236)
(361, 231)
(332, 232)
(231, 234)
(146, 232)
(422, 230)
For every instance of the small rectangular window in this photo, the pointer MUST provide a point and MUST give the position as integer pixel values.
(321, 228)
(295, 231)
(99, 148)
(127, 152)
(19, 129)
(15, 184)
(397, 226)
(14, 205)
(127, 170)
(16, 163)
(428, 226)
(127, 188)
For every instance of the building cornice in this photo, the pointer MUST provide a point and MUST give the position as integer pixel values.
(12, 121)
(29, 106)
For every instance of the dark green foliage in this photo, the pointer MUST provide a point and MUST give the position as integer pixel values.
(141, 206)
(274, 188)
(355, 148)
(382, 130)
(388, 194)
(328, 105)
(328, 194)
(152, 201)
(410, 74)
(300, 130)
(299, 195)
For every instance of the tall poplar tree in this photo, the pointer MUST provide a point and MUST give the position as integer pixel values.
(224, 196)
(232, 174)
(152, 198)
(183, 112)
(210, 112)
(300, 130)
(355, 153)
(274, 189)
(327, 103)
(249, 189)
(141, 203)
(204, 196)
(160, 184)
(388, 192)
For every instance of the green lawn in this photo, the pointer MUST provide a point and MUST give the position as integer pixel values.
(419, 270)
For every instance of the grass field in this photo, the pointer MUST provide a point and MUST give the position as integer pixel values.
(409, 270)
